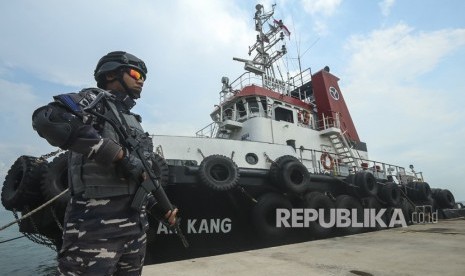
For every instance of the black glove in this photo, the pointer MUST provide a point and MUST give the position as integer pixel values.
(131, 166)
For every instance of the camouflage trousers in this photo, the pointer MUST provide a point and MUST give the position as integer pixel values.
(102, 237)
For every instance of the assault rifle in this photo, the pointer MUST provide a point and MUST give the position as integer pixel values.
(150, 189)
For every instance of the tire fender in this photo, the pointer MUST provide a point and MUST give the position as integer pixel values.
(390, 193)
(366, 183)
(350, 202)
(21, 187)
(264, 216)
(317, 201)
(55, 181)
(219, 173)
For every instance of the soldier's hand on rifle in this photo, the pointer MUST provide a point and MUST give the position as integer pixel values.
(131, 166)
(170, 216)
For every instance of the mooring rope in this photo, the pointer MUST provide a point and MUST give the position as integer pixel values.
(34, 211)
(12, 239)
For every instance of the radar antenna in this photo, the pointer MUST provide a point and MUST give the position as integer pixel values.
(266, 56)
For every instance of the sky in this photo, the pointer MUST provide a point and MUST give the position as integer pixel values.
(401, 66)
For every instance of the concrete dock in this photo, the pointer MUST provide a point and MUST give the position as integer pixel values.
(422, 249)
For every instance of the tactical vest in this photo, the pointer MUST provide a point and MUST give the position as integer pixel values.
(97, 181)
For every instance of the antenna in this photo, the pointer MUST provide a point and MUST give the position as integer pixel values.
(269, 33)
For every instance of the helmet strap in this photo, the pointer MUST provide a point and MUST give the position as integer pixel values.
(125, 86)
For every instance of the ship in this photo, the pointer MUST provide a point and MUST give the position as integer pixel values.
(276, 142)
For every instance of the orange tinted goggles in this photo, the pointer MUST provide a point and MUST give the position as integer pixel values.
(135, 74)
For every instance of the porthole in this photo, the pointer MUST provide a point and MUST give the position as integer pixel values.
(251, 158)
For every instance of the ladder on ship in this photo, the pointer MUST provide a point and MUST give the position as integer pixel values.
(343, 150)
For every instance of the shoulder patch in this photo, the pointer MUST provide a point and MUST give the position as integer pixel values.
(70, 101)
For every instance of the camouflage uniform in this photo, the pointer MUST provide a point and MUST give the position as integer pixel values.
(102, 236)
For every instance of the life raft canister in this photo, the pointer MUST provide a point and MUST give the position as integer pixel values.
(327, 161)
(219, 173)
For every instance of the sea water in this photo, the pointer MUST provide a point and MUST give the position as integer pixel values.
(23, 256)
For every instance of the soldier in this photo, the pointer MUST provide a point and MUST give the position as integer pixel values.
(102, 234)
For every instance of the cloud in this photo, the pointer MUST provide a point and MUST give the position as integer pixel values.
(400, 111)
(187, 46)
(386, 6)
(321, 7)
(63, 48)
(400, 53)
(320, 11)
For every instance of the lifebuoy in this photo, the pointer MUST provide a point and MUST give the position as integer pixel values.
(300, 117)
(219, 173)
(324, 159)
(303, 117)
(22, 184)
(306, 118)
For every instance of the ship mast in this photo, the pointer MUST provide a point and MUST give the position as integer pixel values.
(265, 57)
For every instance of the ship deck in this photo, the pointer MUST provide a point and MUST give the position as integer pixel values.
(422, 249)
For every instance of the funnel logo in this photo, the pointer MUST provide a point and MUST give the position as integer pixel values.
(334, 93)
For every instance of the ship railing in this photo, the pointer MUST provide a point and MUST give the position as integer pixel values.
(379, 169)
(294, 83)
(208, 131)
(329, 121)
(246, 79)
(301, 78)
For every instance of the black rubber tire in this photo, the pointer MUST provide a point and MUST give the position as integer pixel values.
(444, 199)
(275, 172)
(350, 202)
(388, 215)
(372, 203)
(55, 181)
(419, 191)
(264, 216)
(218, 173)
(390, 193)
(295, 177)
(21, 187)
(366, 183)
(161, 169)
(350, 179)
(407, 209)
(317, 200)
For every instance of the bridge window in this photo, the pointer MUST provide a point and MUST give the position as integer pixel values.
(282, 114)
(241, 109)
(253, 105)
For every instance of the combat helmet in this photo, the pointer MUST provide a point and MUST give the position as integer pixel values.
(116, 60)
